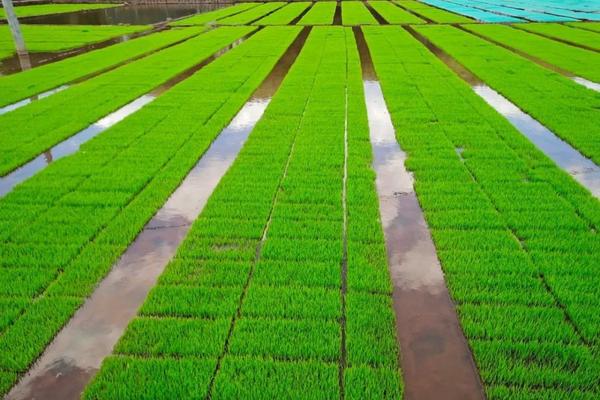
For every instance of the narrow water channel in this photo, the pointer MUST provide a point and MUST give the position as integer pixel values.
(74, 142)
(581, 168)
(22, 103)
(76, 353)
(435, 358)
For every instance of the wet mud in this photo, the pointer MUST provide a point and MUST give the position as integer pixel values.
(435, 358)
(75, 355)
(128, 14)
(337, 16)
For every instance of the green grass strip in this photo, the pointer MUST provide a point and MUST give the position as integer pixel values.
(356, 13)
(321, 13)
(213, 16)
(564, 32)
(433, 13)
(28, 83)
(585, 63)
(47, 9)
(30, 130)
(502, 215)
(95, 211)
(591, 26)
(563, 106)
(394, 14)
(253, 14)
(284, 15)
(48, 38)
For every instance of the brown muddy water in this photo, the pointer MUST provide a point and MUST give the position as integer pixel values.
(76, 353)
(582, 169)
(435, 358)
(128, 14)
(73, 143)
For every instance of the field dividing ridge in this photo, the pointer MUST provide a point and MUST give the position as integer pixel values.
(33, 129)
(97, 211)
(422, 303)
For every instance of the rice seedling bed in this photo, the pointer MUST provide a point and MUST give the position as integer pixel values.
(356, 13)
(501, 216)
(321, 13)
(34, 81)
(565, 33)
(269, 322)
(285, 15)
(213, 16)
(48, 38)
(72, 234)
(46, 9)
(581, 62)
(59, 116)
(252, 14)
(394, 14)
(590, 26)
(566, 108)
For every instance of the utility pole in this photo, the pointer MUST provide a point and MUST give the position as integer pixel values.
(15, 30)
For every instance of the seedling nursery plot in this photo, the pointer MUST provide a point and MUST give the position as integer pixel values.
(238, 165)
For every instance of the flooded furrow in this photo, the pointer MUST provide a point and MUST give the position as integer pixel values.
(581, 168)
(14, 64)
(76, 353)
(337, 16)
(74, 142)
(43, 95)
(130, 14)
(582, 81)
(435, 358)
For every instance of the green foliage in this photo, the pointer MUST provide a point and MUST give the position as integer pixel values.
(252, 14)
(46, 9)
(394, 14)
(356, 13)
(213, 16)
(285, 14)
(321, 13)
(564, 32)
(433, 13)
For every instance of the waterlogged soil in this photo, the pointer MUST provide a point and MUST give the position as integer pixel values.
(128, 14)
(76, 354)
(436, 360)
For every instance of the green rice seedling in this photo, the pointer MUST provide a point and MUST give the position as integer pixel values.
(24, 84)
(356, 13)
(292, 303)
(46, 38)
(581, 62)
(321, 13)
(563, 101)
(590, 26)
(206, 273)
(286, 339)
(248, 377)
(252, 14)
(433, 13)
(81, 267)
(514, 301)
(394, 14)
(40, 125)
(10, 309)
(564, 33)
(25, 282)
(302, 274)
(46, 9)
(284, 15)
(174, 337)
(213, 16)
(156, 378)
(504, 393)
(362, 382)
